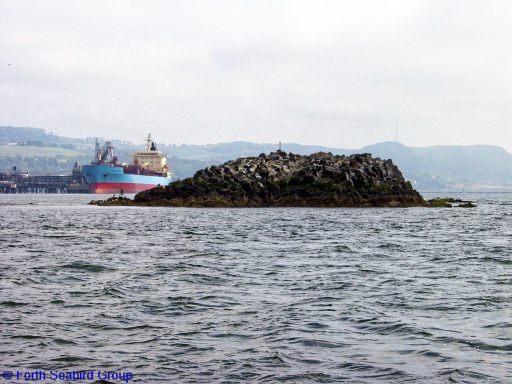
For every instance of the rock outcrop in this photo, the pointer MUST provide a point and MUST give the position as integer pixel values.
(288, 180)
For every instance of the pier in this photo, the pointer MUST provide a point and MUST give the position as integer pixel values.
(20, 182)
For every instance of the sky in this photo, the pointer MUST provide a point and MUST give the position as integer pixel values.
(338, 73)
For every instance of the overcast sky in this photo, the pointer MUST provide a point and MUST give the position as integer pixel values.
(336, 73)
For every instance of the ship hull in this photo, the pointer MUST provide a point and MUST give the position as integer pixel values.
(108, 179)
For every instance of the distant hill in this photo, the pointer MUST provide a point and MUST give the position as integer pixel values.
(14, 134)
(39, 137)
(436, 168)
(219, 153)
(475, 167)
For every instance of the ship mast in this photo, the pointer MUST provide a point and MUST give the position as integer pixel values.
(148, 140)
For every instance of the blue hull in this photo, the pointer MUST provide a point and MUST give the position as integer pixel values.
(109, 179)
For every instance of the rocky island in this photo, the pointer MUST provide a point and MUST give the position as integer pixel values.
(287, 180)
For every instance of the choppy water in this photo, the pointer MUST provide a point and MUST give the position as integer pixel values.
(256, 295)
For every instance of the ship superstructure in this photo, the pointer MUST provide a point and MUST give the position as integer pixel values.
(151, 161)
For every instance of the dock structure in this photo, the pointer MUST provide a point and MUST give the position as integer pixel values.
(20, 182)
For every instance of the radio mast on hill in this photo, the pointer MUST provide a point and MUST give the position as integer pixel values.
(397, 140)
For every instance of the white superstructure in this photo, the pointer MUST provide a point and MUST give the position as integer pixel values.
(152, 159)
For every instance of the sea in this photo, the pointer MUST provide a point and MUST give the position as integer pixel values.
(94, 294)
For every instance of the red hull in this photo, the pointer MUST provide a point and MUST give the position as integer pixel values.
(107, 188)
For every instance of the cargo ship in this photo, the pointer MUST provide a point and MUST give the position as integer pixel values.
(105, 175)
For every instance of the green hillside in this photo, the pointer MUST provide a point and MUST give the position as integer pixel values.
(40, 160)
(18, 150)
